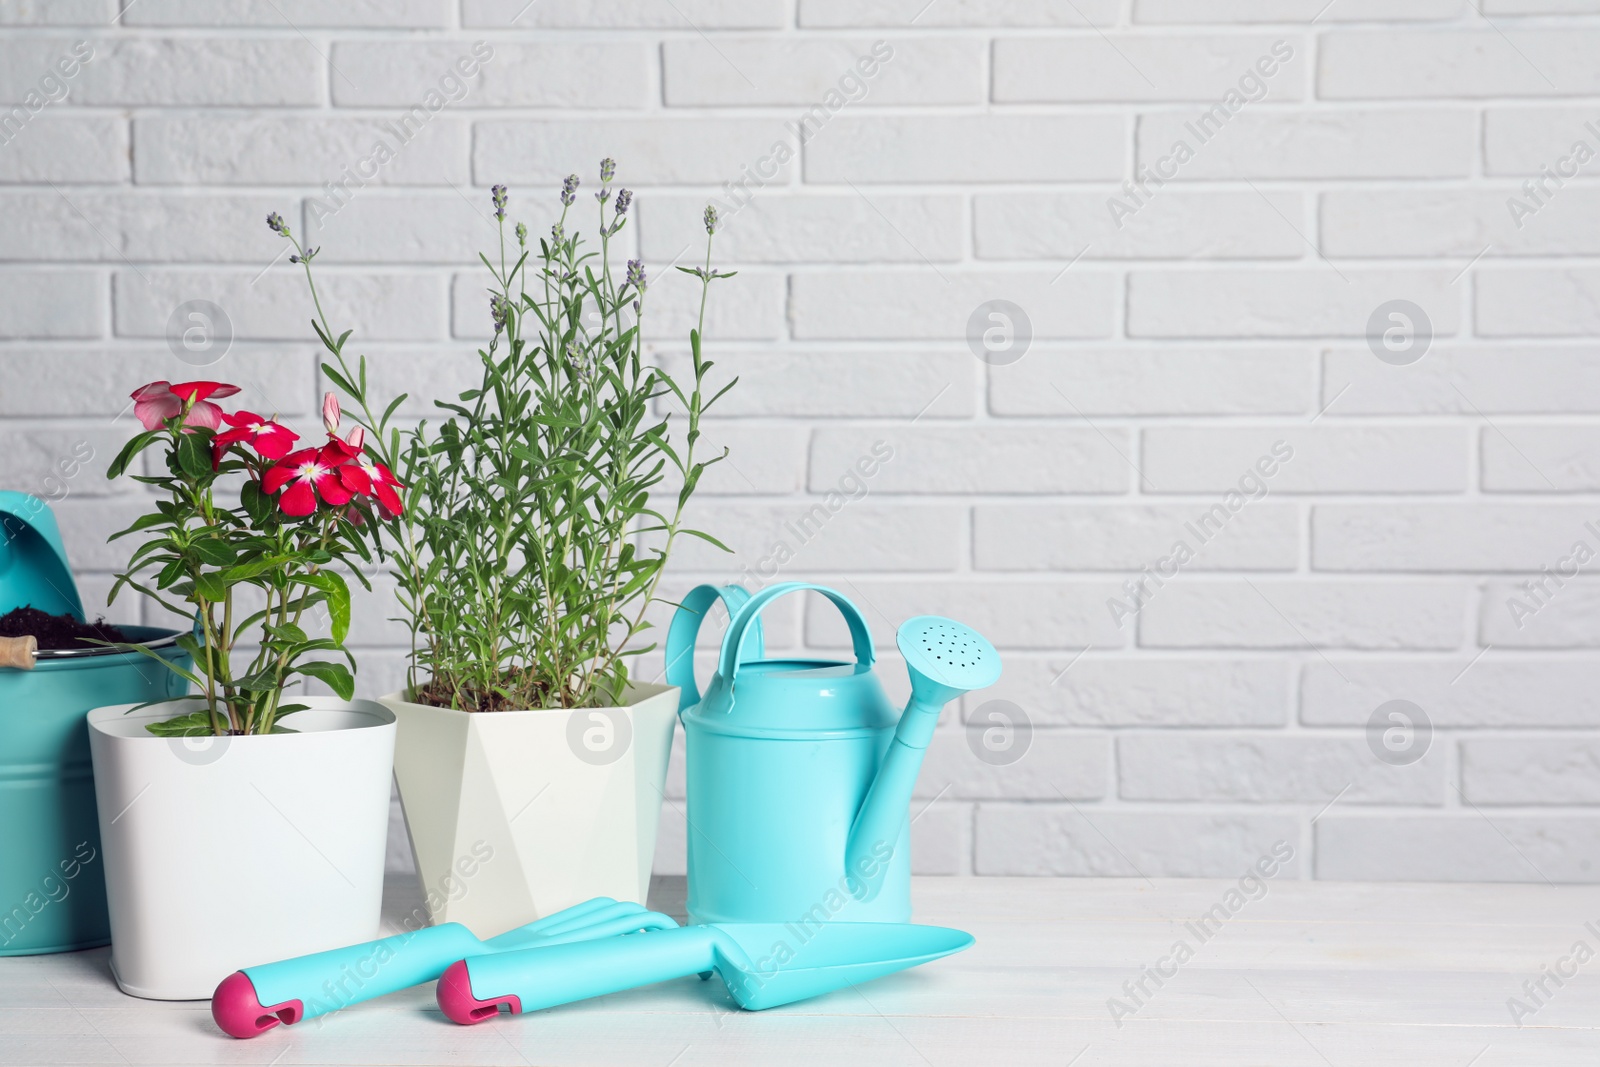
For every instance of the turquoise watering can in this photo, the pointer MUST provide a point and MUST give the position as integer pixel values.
(800, 771)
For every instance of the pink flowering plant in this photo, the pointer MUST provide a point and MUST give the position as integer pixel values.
(252, 573)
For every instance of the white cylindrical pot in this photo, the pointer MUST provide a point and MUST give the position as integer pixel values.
(515, 814)
(226, 852)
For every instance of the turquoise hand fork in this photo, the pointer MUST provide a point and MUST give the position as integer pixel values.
(256, 999)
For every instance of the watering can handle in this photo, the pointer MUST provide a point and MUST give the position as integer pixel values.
(685, 627)
(740, 627)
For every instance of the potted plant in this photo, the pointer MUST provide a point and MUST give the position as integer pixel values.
(246, 823)
(530, 758)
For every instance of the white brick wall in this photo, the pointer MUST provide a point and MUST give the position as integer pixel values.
(1418, 544)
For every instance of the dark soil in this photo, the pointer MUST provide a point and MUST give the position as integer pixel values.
(439, 696)
(57, 631)
(472, 698)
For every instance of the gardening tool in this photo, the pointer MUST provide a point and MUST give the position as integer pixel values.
(254, 1000)
(52, 880)
(799, 770)
(18, 652)
(762, 964)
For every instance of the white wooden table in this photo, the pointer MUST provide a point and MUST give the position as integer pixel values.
(1313, 973)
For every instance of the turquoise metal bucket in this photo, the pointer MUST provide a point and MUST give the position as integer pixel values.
(52, 887)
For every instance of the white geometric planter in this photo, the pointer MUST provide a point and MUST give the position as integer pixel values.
(227, 852)
(516, 814)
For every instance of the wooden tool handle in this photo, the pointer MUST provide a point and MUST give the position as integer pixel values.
(18, 652)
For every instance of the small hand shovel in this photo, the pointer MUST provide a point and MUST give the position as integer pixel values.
(254, 1000)
(762, 964)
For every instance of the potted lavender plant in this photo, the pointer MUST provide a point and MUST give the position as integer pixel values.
(529, 751)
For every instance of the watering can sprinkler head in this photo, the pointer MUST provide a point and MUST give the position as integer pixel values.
(944, 658)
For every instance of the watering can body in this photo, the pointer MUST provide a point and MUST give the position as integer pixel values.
(780, 757)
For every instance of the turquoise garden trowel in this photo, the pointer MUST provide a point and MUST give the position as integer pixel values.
(256, 999)
(762, 964)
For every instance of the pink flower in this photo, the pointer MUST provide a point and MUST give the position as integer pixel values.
(157, 403)
(330, 414)
(309, 473)
(267, 437)
(336, 447)
(368, 477)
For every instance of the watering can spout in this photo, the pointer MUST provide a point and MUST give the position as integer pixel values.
(944, 659)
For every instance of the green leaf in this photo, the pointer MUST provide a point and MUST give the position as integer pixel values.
(705, 537)
(257, 505)
(129, 451)
(259, 682)
(215, 551)
(338, 592)
(194, 455)
(191, 645)
(254, 568)
(194, 724)
(169, 664)
(289, 633)
(327, 342)
(394, 405)
(143, 522)
(718, 395)
(338, 379)
(210, 586)
(335, 675)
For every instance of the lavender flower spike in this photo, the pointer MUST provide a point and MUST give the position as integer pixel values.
(624, 198)
(711, 219)
(569, 189)
(276, 224)
(608, 169)
(635, 275)
(498, 194)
